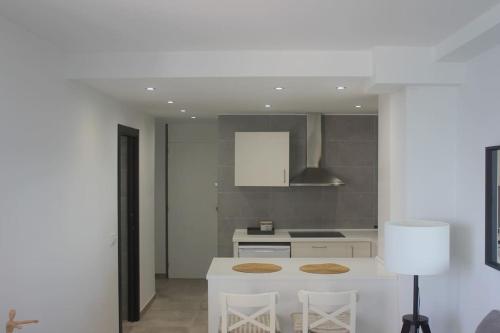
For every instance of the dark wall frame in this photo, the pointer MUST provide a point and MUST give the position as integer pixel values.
(491, 207)
(133, 224)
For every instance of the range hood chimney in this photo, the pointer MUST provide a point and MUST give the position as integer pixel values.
(313, 174)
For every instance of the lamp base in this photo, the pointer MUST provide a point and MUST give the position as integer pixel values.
(409, 324)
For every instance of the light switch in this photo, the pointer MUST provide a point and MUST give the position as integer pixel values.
(114, 239)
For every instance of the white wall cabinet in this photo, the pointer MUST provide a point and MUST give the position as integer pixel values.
(261, 158)
(331, 249)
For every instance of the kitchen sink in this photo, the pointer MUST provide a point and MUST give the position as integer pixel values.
(315, 234)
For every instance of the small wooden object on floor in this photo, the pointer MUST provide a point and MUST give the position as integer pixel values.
(324, 269)
(13, 324)
(257, 268)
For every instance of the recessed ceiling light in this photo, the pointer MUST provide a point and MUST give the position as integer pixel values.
(170, 102)
(150, 88)
(340, 88)
(183, 110)
(279, 88)
(193, 117)
(357, 106)
(267, 106)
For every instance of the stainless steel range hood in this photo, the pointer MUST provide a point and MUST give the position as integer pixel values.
(313, 174)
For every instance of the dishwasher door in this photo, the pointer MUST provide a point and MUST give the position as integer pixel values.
(264, 251)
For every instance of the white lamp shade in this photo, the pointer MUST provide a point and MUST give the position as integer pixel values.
(417, 247)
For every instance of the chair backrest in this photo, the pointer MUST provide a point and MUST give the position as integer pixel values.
(233, 303)
(315, 303)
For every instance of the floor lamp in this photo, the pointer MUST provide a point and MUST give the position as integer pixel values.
(416, 247)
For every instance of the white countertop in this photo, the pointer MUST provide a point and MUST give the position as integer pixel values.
(282, 235)
(360, 268)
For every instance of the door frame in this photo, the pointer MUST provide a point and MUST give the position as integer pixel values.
(133, 224)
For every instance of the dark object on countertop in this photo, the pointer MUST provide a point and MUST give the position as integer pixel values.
(490, 323)
(315, 234)
(257, 231)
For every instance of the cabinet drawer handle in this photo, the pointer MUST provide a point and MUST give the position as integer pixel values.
(319, 247)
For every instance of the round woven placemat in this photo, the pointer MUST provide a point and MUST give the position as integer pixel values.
(324, 269)
(254, 267)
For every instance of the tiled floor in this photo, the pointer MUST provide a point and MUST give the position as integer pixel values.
(180, 307)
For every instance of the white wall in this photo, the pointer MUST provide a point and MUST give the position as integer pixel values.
(431, 188)
(58, 199)
(160, 209)
(418, 173)
(192, 197)
(445, 132)
(391, 149)
(478, 127)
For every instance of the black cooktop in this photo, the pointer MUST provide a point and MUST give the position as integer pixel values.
(315, 234)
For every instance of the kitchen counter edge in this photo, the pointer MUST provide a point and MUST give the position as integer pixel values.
(282, 235)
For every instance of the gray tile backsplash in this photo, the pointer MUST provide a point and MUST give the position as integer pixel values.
(349, 150)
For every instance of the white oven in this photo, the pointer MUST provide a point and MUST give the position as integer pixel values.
(264, 250)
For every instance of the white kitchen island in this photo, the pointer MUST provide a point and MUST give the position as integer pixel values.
(377, 306)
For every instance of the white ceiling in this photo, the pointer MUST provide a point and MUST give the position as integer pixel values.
(187, 25)
(171, 25)
(209, 97)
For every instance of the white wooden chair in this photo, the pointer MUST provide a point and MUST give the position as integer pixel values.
(234, 309)
(324, 312)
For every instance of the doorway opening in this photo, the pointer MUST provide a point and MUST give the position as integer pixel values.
(128, 225)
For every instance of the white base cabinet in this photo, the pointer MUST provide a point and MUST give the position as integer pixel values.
(331, 250)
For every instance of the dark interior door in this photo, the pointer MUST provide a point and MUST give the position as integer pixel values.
(128, 224)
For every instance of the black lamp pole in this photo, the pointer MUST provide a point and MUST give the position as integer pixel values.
(415, 301)
(415, 319)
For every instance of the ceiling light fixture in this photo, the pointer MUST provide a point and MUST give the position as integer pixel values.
(183, 110)
(170, 102)
(267, 106)
(340, 88)
(357, 106)
(150, 88)
(193, 117)
(279, 88)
